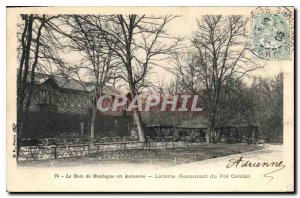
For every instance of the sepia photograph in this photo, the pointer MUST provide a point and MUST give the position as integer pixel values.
(150, 99)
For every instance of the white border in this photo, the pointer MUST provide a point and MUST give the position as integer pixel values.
(5, 3)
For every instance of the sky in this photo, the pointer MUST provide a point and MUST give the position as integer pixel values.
(184, 26)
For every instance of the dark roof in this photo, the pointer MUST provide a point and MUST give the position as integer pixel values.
(158, 126)
(196, 123)
(238, 123)
(68, 83)
(202, 123)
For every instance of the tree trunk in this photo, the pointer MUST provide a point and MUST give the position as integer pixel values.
(94, 115)
(138, 120)
(22, 85)
(207, 136)
(93, 124)
(137, 117)
(212, 126)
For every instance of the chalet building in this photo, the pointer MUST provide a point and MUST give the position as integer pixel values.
(198, 129)
(230, 132)
(62, 107)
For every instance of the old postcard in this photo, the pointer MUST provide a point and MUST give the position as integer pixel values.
(150, 99)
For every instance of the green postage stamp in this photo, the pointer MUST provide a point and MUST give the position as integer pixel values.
(272, 35)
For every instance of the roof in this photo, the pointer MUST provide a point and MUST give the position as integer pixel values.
(196, 123)
(158, 126)
(202, 123)
(71, 84)
(238, 123)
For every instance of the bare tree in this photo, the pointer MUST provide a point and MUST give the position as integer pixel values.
(185, 71)
(31, 43)
(267, 97)
(97, 66)
(139, 42)
(223, 54)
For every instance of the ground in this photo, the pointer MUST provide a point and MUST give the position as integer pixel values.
(268, 153)
(214, 173)
(163, 158)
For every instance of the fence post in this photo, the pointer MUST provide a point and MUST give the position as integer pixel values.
(55, 154)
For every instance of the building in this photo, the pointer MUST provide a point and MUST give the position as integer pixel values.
(62, 107)
(230, 132)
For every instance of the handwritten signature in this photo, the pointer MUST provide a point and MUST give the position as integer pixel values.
(240, 163)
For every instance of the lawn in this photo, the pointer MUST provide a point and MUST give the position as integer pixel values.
(191, 154)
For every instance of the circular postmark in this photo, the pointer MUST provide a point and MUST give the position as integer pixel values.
(272, 33)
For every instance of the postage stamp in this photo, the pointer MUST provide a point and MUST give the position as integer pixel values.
(272, 36)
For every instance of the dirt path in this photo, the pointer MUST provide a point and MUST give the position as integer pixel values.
(268, 153)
